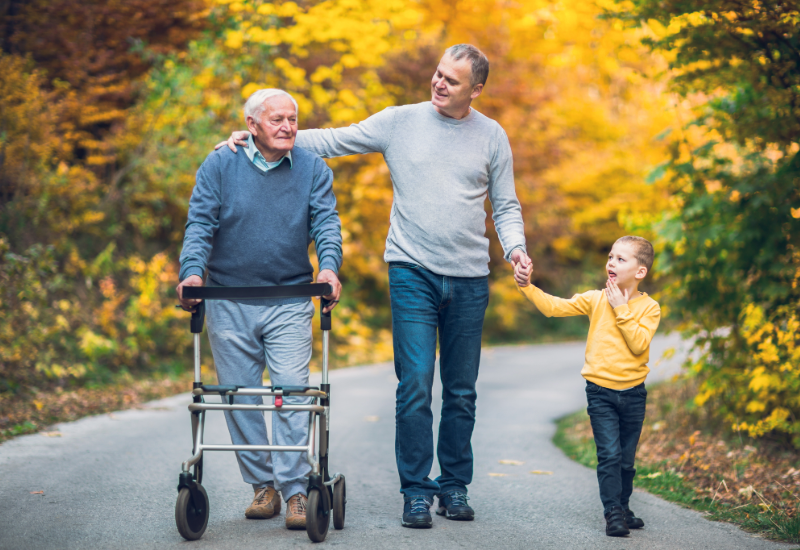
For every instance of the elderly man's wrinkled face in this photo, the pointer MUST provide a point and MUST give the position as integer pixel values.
(451, 90)
(274, 134)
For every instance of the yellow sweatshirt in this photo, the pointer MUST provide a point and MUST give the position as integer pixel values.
(618, 346)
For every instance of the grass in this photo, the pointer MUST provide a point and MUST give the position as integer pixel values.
(33, 411)
(745, 495)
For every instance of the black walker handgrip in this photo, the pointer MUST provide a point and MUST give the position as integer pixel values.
(198, 315)
(324, 318)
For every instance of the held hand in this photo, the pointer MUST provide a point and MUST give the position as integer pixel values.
(522, 275)
(238, 137)
(616, 297)
(328, 276)
(523, 267)
(520, 257)
(189, 303)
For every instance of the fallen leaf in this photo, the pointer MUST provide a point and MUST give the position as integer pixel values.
(511, 462)
(37, 492)
(371, 418)
(747, 492)
(52, 434)
(541, 472)
(492, 474)
(653, 475)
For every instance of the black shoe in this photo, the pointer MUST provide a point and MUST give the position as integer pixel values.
(615, 522)
(417, 513)
(453, 505)
(632, 521)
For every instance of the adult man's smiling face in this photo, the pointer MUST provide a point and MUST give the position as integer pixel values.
(275, 131)
(451, 87)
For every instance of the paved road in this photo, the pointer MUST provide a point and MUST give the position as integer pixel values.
(109, 481)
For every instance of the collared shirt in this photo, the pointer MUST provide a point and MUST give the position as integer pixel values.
(258, 159)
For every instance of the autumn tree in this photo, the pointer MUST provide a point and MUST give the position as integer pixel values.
(130, 121)
(81, 269)
(730, 241)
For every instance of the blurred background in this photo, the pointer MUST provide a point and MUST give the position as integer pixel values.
(678, 123)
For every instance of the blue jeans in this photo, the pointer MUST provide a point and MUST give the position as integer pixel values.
(423, 304)
(617, 418)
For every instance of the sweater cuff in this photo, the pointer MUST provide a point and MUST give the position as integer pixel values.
(622, 311)
(528, 291)
(518, 247)
(191, 270)
(328, 262)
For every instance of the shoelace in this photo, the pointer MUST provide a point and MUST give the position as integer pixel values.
(419, 505)
(299, 505)
(261, 496)
(458, 499)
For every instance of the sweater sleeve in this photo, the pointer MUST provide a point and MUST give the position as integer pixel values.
(638, 334)
(506, 211)
(551, 306)
(369, 136)
(203, 221)
(325, 227)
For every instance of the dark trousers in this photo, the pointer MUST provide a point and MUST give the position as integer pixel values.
(617, 418)
(423, 305)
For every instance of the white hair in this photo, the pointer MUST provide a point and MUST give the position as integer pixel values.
(254, 106)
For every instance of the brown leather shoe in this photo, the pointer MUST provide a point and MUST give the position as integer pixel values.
(266, 504)
(296, 511)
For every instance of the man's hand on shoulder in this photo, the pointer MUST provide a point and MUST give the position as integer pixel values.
(191, 280)
(328, 276)
(523, 267)
(239, 137)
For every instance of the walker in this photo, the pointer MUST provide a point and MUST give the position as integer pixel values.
(325, 493)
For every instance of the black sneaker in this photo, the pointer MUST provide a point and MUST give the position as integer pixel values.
(453, 505)
(632, 521)
(615, 522)
(417, 513)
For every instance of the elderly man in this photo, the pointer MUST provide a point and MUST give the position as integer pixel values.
(251, 219)
(444, 158)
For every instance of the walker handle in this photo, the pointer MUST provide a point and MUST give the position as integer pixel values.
(198, 315)
(324, 318)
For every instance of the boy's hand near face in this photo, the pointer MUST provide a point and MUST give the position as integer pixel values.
(616, 297)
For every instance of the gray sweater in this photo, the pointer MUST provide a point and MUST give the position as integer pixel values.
(442, 170)
(253, 228)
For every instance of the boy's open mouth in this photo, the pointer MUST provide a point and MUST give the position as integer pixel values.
(612, 275)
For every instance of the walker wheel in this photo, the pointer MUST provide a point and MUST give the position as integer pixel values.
(191, 517)
(318, 514)
(339, 502)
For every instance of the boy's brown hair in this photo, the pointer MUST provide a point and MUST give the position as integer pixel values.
(642, 250)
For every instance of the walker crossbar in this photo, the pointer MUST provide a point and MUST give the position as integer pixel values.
(256, 292)
(307, 391)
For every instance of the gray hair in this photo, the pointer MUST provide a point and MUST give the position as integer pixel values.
(254, 106)
(480, 63)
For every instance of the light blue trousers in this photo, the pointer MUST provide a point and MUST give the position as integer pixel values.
(244, 338)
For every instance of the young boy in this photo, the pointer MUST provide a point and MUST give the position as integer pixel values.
(622, 324)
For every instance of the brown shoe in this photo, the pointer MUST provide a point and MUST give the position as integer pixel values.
(296, 512)
(266, 504)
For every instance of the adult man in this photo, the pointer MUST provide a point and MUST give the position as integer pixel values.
(251, 219)
(444, 157)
